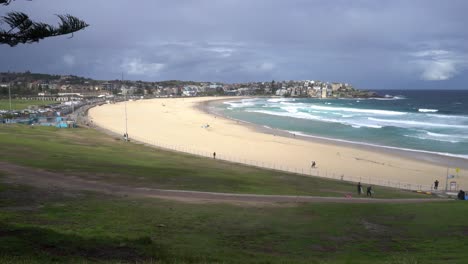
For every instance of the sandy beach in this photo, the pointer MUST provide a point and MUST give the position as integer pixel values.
(180, 123)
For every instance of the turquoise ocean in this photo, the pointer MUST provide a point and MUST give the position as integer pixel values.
(425, 121)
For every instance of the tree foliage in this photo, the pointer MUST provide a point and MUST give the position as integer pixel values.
(21, 29)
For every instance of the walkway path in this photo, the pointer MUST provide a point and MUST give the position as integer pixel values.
(46, 179)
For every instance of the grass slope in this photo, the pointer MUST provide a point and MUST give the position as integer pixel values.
(18, 104)
(45, 226)
(53, 226)
(91, 153)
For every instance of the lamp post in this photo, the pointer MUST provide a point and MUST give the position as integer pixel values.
(126, 118)
(9, 93)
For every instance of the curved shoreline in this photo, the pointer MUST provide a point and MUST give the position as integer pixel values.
(448, 159)
(181, 124)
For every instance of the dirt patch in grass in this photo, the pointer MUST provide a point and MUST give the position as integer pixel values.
(465, 231)
(121, 253)
(374, 228)
(324, 248)
(59, 181)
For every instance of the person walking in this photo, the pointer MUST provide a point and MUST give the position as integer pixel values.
(369, 191)
(313, 165)
(436, 184)
(359, 188)
(214, 155)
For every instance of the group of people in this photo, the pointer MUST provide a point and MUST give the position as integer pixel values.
(360, 190)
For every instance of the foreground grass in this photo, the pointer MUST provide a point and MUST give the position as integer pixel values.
(18, 104)
(93, 154)
(56, 226)
(47, 226)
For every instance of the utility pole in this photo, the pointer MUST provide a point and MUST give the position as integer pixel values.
(446, 179)
(126, 123)
(9, 93)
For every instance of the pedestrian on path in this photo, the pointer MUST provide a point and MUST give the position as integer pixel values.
(214, 155)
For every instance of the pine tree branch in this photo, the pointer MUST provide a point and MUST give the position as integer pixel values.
(5, 2)
(24, 30)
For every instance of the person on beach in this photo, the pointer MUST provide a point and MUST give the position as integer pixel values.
(359, 188)
(313, 164)
(369, 191)
(461, 195)
(436, 184)
(214, 155)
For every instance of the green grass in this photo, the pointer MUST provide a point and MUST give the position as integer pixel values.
(62, 226)
(44, 226)
(91, 153)
(18, 104)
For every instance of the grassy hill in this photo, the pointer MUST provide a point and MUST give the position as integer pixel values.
(53, 225)
(18, 104)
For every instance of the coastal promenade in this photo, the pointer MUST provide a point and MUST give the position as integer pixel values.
(181, 124)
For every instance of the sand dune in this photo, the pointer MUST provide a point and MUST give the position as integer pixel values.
(179, 122)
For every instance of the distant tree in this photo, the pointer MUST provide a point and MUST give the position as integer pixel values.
(21, 29)
(273, 87)
(139, 91)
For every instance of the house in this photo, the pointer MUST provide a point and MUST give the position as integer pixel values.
(324, 92)
(336, 86)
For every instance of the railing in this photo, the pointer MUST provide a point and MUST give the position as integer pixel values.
(314, 172)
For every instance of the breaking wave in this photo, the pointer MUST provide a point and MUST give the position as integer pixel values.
(380, 146)
(301, 115)
(357, 110)
(424, 110)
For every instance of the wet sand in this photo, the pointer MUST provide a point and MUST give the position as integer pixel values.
(182, 122)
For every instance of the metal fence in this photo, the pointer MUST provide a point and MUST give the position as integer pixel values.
(315, 172)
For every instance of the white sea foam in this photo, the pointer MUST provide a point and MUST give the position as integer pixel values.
(294, 104)
(301, 115)
(454, 117)
(290, 109)
(428, 124)
(430, 138)
(424, 110)
(242, 103)
(277, 100)
(445, 135)
(358, 110)
(412, 123)
(390, 98)
(381, 146)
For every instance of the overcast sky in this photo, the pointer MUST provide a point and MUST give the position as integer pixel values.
(370, 44)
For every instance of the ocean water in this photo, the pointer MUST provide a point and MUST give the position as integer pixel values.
(421, 121)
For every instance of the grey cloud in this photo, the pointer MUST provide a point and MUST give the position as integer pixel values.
(368, 43)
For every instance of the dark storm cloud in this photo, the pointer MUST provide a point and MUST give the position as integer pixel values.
(372, 44)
